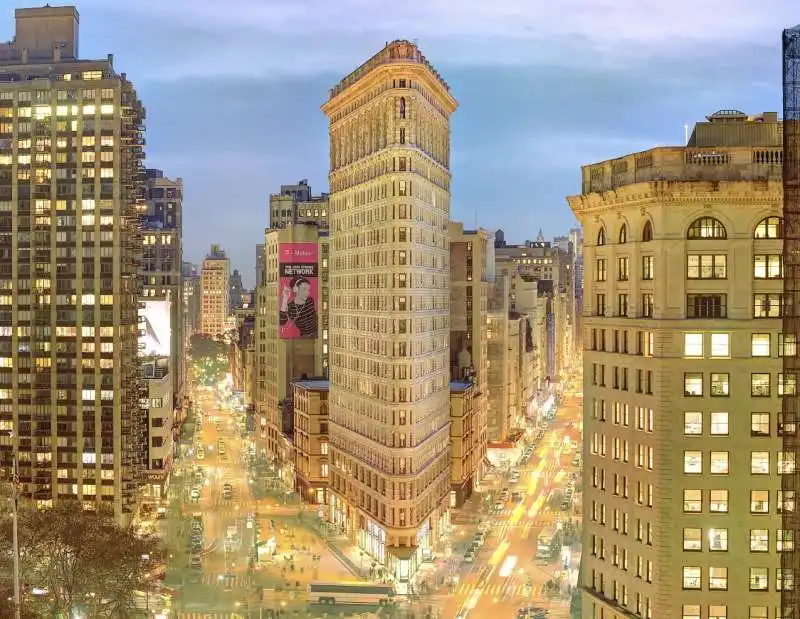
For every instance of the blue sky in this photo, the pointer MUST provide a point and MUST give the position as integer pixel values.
(233, 90)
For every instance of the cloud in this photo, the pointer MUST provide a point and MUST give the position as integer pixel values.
(276, 38)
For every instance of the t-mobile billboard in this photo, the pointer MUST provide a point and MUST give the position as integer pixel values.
(298, 287)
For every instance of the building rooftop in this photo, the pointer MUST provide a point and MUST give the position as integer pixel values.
(459, 386)
(398, 51)
(313, 384)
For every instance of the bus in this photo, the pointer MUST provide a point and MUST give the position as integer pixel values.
(350, 593)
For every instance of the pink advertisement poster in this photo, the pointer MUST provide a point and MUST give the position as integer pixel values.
(298, 287)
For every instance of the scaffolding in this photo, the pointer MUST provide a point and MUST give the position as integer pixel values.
(790, 483)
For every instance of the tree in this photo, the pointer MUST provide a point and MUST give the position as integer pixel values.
(82, 561)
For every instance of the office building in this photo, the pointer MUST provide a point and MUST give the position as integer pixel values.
(295, 204)
(161, 268)
(71, 150)
(389, 395)
(683, 377)
(291, 342)
(190, 279)
(156, 401)
(310, 403)
(215, 293)
(237, 290)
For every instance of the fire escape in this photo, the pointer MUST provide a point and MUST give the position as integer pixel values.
(790, 483)
(134, 388)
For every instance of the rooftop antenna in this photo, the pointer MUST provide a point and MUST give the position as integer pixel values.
(686, 134)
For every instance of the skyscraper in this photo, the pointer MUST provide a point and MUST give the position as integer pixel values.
(683, 377)
(389, 314)
(215, 303)
(70, 178)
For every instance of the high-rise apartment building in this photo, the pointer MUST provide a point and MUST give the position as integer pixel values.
(389, 334)
(683, 377)
(215, 305)
(161, 268)
(295, 204)
(71, 151)
(190, 277)
(291, 333)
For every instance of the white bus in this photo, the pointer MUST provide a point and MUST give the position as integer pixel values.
(350, 593)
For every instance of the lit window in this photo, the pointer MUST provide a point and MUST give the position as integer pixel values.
(759, 463)
(769, 228)
(89, 110)
(691, 577)
(692, 539)
(760, 385)
(787, 384)
(693, 461)
(759, 345)
(720, 463)
(786, 501)
(759, 579)
(107, 108)
(759, 501)
(720, 345)
(693, 384)
(787, 344)
(719, 424)
(784, 540)
(693, 345)
(759, 540)
(692, 501)
(759, 424)
(720, 384)
(718, 577)
(692, 423)
(691, 611)
(784, 579)
(716, 611)
(718, 501)
(758, 612)
(786, 462)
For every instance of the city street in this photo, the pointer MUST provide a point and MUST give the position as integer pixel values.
(506, 574)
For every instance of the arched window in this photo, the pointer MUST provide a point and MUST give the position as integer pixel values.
(707, 228)
(601, 236)
(769, 228)
(623, 234)
(647, 232)
(402, 107)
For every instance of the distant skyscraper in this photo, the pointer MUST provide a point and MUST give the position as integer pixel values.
(295, 204)
(389, 315)
(236, 289)
(259, 261)
(71, 151)
(214, 293)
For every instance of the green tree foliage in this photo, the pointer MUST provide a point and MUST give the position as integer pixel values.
(209, 358)
(81, 559)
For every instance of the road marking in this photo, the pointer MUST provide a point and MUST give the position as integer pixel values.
(497, 589)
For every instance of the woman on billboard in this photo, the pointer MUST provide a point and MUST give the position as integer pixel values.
(298, 310)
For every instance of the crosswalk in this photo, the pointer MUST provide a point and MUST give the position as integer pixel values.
(205, 615)
(234, 581)
(502, 590)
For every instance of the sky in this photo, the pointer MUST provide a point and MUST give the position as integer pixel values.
(233, 92)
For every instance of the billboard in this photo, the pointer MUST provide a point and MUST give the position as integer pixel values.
(155, 329)
(298, 290)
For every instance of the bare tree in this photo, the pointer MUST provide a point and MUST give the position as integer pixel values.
(77, 560)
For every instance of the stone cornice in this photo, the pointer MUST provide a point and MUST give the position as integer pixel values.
(690, 193)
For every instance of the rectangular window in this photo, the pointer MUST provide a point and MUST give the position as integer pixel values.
(691, 577)
(692, 462)
(784, 541)
(715, 611)
(760, 385)
(622, 305)
(767, 305)
(758, 612)
(759, 463)
(601, 269)
(692, 423)
(759, 540)
(647, 267)
(759, 501)
(693, 539)
(768, 266)
(786, 463)
(787, 344)
(718, 501)
(693, 384)
(759, 579)
(759, 344)
(623, 269)
(693, 345)
(648, 305)
(720, 384)
(719, 463)
(600, 304)
(759, 424)
(719, 424)
(720, 345)
(706, 306)
(707, 266)
(690, 611)
(787, 384)
(718, 578)
(692, 501)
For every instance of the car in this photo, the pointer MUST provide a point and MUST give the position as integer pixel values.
(516, 497)
(196, 561)
(194, 494)
(201, 454)
(499, 506)
(469, 557)
(532, 612)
